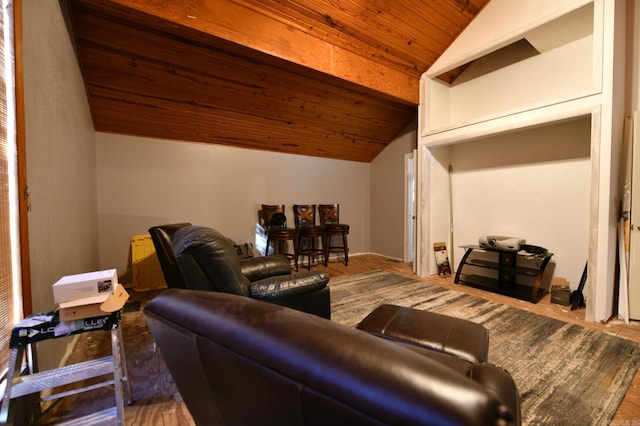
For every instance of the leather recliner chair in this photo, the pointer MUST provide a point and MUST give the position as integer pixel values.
(201, 258)
(238, 361)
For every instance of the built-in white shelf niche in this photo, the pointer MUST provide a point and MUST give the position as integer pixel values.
(520, 65)
(551, 56)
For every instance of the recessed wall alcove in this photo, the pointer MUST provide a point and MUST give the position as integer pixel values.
(526, 141)
(533, 184)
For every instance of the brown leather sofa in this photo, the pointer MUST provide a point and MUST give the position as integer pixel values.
(238, 361)
(201, 258)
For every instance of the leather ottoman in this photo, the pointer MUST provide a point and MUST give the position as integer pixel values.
(461, 338)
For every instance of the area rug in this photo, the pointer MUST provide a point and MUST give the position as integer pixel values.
(566, 374)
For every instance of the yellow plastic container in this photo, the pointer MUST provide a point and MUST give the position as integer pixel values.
(145, 267)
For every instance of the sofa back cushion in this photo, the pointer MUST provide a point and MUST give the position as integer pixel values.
(209, 261)
(162, 236)
(257, 363)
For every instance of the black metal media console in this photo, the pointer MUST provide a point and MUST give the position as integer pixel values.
(512, 273)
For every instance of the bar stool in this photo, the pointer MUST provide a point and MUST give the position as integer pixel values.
(330, 223)
(307, 232)
(274, 221)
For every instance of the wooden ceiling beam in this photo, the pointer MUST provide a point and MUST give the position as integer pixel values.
(242, 25)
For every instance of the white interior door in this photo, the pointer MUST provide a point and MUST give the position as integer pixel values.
(410, 208)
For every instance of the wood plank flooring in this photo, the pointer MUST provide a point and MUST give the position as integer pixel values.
(157, 402)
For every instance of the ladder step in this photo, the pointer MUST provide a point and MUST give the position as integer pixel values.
(77, 391)
(104, 417)
(32, 383)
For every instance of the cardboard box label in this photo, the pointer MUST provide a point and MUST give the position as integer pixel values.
(45, 326)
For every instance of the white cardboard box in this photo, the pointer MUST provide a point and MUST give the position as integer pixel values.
(85, 285)
(94, 306)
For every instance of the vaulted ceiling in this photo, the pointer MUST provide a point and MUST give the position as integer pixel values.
(328, 78)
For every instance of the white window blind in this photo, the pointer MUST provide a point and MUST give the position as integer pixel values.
(10, 299)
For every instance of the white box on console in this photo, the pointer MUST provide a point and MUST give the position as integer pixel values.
(80, 286)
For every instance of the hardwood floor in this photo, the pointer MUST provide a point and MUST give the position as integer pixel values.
(157, 402)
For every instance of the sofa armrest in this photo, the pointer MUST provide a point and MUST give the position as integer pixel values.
(258, 268)
(499, 382)
(288, 285)
(455, 336)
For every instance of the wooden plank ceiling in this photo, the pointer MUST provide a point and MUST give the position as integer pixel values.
(328, 78)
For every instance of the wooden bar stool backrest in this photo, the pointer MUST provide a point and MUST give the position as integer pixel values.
(304, 214)
(268, 210)
(329, 213)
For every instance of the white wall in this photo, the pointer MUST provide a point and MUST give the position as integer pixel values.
(60, 143)
(144, 182)
(532, 184)
(387, 195)
(633, 104)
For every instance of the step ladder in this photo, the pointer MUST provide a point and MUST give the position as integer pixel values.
(113, 367)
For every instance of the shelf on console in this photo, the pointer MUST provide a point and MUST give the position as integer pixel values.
(506, 274)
